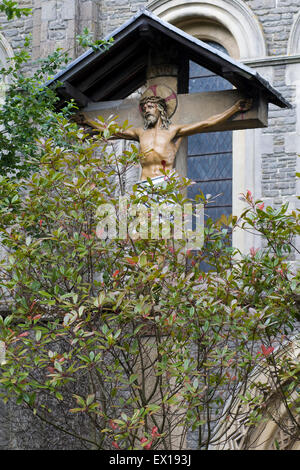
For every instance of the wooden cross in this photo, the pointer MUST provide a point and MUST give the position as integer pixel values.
(191, 108)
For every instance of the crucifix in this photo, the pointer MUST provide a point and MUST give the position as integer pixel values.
(161, 119)
(147, 50)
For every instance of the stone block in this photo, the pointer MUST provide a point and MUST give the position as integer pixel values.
(268, 193)
(56, 25)
(56, 35)
(49, 10)
(266, 142)
(36, 16)
(86, 10)
(68, 10)
(288, 192)
(36, 38)
(263, 4)
(71, 29)
(11, 33)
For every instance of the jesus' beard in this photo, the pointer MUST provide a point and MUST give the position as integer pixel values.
(150, 120)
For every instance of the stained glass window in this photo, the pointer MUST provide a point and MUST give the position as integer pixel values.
(210, 154)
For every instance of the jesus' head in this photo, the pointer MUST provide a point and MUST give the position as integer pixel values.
(153, 108)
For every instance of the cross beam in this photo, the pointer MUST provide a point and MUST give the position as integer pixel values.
(191, 108)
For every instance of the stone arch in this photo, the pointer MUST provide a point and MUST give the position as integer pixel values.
(6, 53)
(294, 39)
(211, 30)
(5, 49)
(232, 16)
(276, 426)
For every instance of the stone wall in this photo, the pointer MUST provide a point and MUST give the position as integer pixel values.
(276, 18)
(53, 24)
(115, 12)
(279, 161)
(16, 31)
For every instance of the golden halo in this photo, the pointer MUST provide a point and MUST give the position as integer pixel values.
(165, 92)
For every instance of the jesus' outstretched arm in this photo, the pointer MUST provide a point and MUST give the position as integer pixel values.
(128, 134)
(194, 128)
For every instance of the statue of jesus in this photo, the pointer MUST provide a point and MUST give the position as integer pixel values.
(159, 139)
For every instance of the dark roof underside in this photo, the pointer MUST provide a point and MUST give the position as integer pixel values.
(117, 72)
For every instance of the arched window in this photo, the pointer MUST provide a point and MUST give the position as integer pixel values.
(209, 161)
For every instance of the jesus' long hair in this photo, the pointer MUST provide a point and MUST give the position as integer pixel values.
(161, 106)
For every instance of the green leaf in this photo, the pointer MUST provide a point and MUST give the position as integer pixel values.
(38, 335)
(90, 399)
(133, 378)
(59, 396)
(152, 408)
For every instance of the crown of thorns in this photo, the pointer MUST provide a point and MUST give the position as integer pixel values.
(154, 99)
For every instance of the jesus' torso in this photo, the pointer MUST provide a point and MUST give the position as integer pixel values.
(158, 147)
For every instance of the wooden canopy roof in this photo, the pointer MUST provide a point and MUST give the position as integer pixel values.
(114, 73)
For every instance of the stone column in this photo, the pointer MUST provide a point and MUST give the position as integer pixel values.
(154, 387)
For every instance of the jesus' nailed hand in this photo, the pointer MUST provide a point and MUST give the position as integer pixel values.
(159, 139)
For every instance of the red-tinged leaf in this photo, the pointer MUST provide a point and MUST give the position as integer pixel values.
(154, 432)
(37, 317)
(267, 351)
(26, 333)
(253, 251)
(116, 273)
(112, 424)
(264, 349)
(85, 235)
(115, 445)
(143, 440)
